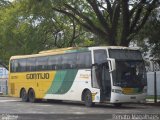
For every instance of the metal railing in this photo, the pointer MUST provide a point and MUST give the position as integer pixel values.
(153, 67)
(3, 87)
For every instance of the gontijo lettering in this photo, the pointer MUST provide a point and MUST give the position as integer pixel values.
(37, 76)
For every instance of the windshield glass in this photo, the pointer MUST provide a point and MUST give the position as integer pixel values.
(130, 68)
(125, 54)
(130, 74)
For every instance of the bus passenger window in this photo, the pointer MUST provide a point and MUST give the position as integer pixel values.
(84, 60)
(54, 62)
(31, 64)
(69, 61)
(14, 65)
(41, 63)
(21, 65)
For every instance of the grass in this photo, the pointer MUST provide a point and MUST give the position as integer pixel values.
(152, 97)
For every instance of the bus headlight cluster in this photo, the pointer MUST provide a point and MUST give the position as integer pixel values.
(117, 91)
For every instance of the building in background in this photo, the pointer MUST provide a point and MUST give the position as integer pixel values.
(3, 80)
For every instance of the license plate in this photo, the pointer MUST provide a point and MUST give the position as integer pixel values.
(133, 97)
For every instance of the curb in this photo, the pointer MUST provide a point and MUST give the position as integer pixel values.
(4, 96)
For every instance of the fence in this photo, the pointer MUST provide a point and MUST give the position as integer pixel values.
(3, 81)
(153, 79)
(3, 86)
(150, 83)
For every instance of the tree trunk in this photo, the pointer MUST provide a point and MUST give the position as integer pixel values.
(124, 42)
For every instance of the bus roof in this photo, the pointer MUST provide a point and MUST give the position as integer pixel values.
(59, 50)
(114, 47)
(69, 49)
(48, 52)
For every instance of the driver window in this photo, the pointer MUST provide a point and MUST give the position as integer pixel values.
(102, 68)
(100, 56)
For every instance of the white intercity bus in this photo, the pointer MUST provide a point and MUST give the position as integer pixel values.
(103, 74)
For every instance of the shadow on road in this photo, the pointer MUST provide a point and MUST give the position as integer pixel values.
(81, 104)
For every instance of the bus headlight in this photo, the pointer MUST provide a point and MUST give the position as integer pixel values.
(117, 91)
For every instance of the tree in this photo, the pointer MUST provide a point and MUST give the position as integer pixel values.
(18, 35)
(149, 36)
(3, 4)
(28, 27)
(58, 30)
(116, 22)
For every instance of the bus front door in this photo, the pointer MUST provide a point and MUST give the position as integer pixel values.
(105, 82)
(101, 79)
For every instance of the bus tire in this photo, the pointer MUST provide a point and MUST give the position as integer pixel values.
(31, 96)
(24, 95)
(117, 104)
(87, 97)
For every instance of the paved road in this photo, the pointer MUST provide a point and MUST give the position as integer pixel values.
(70, 110)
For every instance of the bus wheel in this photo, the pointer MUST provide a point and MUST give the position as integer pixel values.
(31, 96)
(88, 99)
(24, 95)
(117, 104)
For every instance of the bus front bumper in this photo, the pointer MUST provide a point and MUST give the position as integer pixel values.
(123, 98)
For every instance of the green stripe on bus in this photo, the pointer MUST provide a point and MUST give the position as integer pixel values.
(68, 81)
(57, 82)
(63, 81)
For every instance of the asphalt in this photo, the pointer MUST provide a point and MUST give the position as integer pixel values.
(14, 108)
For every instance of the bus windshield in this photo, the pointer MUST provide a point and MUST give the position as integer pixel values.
(130, 68)
(125, 54)
(129, 74)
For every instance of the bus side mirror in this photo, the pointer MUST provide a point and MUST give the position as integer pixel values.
(112, 64)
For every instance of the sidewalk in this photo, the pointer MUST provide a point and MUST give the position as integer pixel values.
(151, 102)
(4, 95)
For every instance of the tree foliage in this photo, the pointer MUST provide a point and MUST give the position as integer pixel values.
(116, 22)
(59, 30)
(29, 26)
(149, 37)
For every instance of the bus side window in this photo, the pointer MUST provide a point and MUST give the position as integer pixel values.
(41, 63)
(16, 66)
(21, 65)
(69, 61)
(13, 66)
(84, 60)
(31, 64)
(54, 62)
